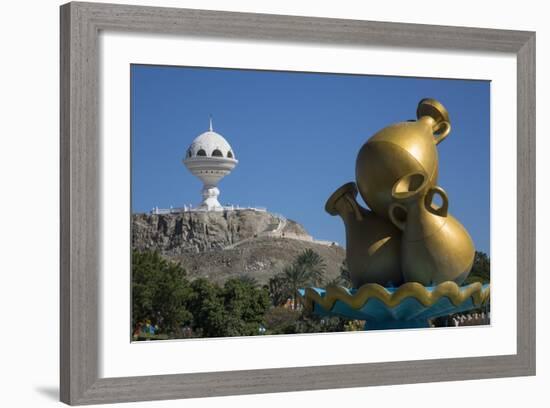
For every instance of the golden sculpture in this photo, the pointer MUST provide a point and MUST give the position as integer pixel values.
(401, 149)
(435, 247)
(373, 244)
(396, 174)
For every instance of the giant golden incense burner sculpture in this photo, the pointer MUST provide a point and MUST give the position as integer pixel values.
(405, 239)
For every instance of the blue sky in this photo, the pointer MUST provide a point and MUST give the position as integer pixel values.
(296, 136)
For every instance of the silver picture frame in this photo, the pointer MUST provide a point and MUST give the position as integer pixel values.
(81, 24)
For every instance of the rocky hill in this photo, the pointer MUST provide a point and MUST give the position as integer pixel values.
(220, 245)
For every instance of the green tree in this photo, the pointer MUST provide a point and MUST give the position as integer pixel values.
(481, 269)
(481, 272)
(278, 290)
(345, 275)
(246, 306)
(251, 280)
(307, 269)
(296, 276)
(237, 309)
(313, 265)
(206, 306)
(344, 279)
(160, 292)
(281, 320)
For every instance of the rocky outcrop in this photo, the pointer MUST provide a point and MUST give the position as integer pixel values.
(220, 245)
(194, 232)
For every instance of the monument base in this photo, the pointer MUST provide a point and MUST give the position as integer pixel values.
(210, 199)
(410, 305)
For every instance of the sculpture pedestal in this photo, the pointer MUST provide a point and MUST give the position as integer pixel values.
(397, 324)
(210, 198)
(411, 305)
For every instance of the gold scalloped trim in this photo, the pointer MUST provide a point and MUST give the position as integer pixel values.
(411, 289)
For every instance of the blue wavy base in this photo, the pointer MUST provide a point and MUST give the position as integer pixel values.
(409, 313)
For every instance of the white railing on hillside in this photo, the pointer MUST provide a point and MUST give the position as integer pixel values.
(190, 208)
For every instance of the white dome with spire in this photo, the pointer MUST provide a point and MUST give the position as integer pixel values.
(210, 158)
(210, 144)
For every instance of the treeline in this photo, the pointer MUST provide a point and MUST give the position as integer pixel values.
(167, 304)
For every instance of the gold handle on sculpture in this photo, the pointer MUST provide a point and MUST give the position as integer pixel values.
(433, 109)
(442, 131)
(444, 209)
(396, 221)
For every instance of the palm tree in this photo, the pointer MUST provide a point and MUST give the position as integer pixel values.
(296, 276)
(278, 289)
(249, 280)
(345, 277)
(313, 264)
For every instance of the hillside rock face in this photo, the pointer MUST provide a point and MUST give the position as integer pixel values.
(220, 245)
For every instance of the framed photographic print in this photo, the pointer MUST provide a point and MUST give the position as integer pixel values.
(248, 200)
